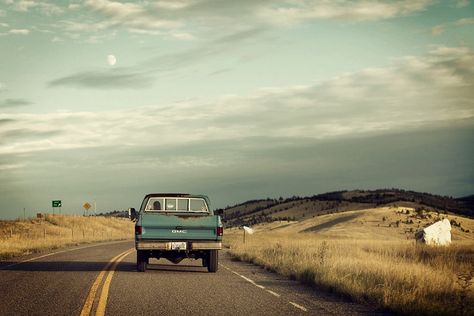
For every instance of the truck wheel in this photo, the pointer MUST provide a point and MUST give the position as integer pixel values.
(212, 263)
(141, 262)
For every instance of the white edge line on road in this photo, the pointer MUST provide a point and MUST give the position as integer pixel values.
(245, 278)
(299, 306)
(58, 252)
(273, 293)
(252, 282)
(304, 309)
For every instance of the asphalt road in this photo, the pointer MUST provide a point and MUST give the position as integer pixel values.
(102, 279)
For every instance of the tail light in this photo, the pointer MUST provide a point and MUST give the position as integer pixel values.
(138, 230)
(220, 231)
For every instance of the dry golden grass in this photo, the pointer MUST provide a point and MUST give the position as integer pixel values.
(23, 237)
(370, 224)
(394, 273)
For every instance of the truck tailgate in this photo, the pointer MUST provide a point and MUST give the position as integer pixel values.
(178, 227)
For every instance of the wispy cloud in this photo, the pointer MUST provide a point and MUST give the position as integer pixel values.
(415, 92)
(141, 75)
(438, 29)
(297, 11)
(441, 28)
(44, 7)
(215, 16)
(465, 21)
(6, 121)
(13, 103)
(108, 79)
(74, 6)
(19, 31)
(462, 3)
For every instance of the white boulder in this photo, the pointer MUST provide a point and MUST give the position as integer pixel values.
(437, 234)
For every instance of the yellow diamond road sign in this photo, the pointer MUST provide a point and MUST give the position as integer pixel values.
(86, 205)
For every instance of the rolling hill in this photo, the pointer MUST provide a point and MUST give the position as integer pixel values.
(301, 208)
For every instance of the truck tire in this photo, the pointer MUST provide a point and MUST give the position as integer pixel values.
(212, 262)
(141, 262)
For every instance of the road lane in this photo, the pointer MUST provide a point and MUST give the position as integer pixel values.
(168, 289)
(236, 289)
(56, 284)
(60, 284)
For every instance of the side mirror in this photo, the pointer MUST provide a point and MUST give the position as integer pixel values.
(219, 212)
(132, 214)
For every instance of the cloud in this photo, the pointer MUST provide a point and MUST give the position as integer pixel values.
(13, 103)
(432, 160)
(437, 30)
(201, 52)
(462, 3)
(41, 6)
(416, 92)
(441, 28)
(220, 71)
(74, 6)
(183, 36)
(131, 16)
(19, 31)
(6, 121)
(217, 17)
(105, 79)
(141, 76)
(56, 39)
(298, 11)
(465, 21)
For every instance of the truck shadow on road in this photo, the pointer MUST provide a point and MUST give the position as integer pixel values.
(175, 268)
(54, 266)
(71, 266)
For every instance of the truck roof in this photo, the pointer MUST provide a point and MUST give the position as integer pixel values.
(184, 195)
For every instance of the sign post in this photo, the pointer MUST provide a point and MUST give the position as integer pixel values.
(56, 203)
(86, 207)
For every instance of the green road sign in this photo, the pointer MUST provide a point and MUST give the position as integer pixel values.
(57, 203)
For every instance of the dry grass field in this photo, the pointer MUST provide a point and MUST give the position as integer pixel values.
(23, 237)
(368, 256)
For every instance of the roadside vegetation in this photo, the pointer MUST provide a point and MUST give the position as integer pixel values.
(22, 237)
(368, 259)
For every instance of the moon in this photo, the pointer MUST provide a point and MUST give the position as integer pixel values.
(111, 60)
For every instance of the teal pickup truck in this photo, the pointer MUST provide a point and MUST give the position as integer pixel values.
(176, 226)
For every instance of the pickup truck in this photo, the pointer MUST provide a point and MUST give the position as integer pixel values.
(176, 226)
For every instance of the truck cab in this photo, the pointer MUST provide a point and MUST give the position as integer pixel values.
(176, 226)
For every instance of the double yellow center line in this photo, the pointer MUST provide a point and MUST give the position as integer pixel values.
(110, 268)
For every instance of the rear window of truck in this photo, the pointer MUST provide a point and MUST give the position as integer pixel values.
(176, 205)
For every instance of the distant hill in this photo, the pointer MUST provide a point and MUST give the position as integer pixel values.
(115, 213)
(299, 208)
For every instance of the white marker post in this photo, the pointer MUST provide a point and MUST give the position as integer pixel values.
(248, 230)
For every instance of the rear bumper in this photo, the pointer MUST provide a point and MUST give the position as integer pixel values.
(166, 245)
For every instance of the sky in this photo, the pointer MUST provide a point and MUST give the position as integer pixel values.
(105, 101)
